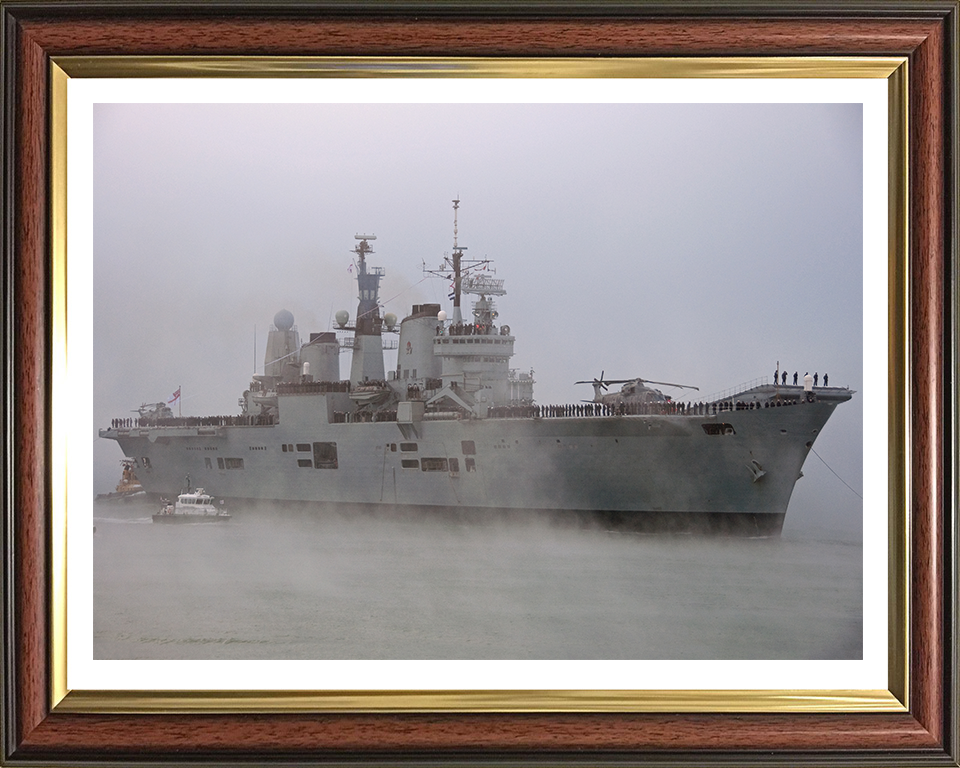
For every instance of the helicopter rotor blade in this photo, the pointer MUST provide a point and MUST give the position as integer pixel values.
(601, 383)
(605, 383)
(668, 384)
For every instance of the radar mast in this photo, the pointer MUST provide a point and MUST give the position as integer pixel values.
(460, 271)
(367, 363)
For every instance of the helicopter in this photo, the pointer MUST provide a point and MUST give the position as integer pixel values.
(150, 413)
(632, 391)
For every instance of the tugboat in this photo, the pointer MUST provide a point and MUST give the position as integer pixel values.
(128, 488)
(454, 429)
(191, 507)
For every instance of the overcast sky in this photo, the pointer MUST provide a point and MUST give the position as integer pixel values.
(697, 244)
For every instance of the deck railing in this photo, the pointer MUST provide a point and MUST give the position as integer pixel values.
(195, 421)
(732, 392)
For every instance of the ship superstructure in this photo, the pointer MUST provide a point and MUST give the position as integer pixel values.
(454, 428)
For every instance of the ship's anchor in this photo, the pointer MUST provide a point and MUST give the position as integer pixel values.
(756, 469)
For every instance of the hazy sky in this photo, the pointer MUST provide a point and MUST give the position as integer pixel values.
(697, 244)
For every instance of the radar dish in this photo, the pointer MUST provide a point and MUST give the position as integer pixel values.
(283, 320)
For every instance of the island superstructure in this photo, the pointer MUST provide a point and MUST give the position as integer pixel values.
(454, 429)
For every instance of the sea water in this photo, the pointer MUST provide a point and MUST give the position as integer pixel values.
(279, 584)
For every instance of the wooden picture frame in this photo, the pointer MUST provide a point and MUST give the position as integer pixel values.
(35, 732)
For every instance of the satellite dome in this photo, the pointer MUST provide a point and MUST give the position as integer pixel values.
(390, 320)
(441, 315)
(342, 316)
(283, 320)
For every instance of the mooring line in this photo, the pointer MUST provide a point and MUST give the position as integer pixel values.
(838, 476)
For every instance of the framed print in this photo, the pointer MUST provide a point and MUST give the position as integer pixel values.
(480, 632)
(157, 65)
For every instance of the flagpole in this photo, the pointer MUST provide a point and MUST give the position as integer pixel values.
(180, 400)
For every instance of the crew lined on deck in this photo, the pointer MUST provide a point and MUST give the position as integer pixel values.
(569, 410)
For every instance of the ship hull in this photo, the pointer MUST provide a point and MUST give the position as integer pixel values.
(732, 472)
(120, 496)
(185, 519)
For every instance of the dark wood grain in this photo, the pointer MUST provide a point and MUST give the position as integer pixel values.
(927, 263)
(920, 736)
(31, 327)
(207, 734)
(446, 37)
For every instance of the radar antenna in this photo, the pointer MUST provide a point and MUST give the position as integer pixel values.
(363, 247)
(456, 205)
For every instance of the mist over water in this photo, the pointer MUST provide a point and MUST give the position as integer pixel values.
(278, 584)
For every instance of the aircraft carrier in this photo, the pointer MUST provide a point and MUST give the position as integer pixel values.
(453, 429)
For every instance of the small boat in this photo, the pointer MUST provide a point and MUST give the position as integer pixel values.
(129, 486)
(192, 507)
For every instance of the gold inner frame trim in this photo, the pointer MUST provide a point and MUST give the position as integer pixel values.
(893, 69)
(419, 67)
(60, 405)
(898, 415)
(729, 701)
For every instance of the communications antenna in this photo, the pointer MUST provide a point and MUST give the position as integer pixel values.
(460, 271)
